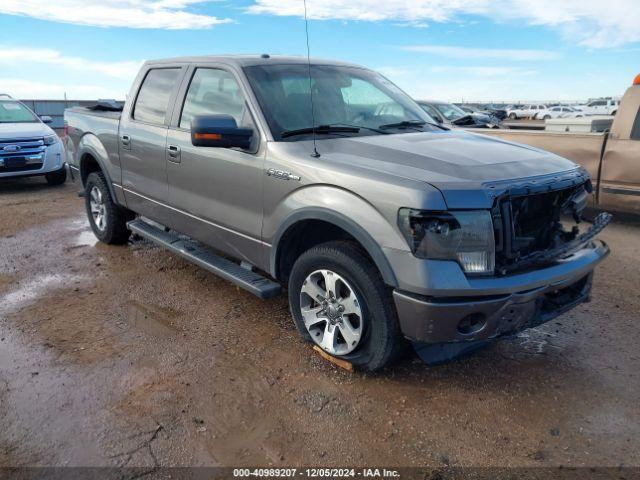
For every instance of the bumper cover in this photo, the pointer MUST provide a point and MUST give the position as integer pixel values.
(483, 314)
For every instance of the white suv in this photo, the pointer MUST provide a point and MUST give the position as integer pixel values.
(524, 111)
(605, 106)
(28, 147)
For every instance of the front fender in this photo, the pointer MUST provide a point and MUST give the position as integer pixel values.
(343, 209)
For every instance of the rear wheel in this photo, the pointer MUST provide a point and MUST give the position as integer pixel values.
(339, 302)
(108, 221)
(546, 117)
(56, 178)
(513, 116)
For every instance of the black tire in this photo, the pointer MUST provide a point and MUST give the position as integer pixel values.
(546, 117)
(513, 116)
(56, 178)
(115, 231)
(381, 340)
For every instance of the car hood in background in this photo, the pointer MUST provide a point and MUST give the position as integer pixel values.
(15, 131)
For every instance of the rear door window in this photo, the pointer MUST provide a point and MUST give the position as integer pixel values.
(153, 98)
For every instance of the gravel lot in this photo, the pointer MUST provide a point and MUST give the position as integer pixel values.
(131, 356)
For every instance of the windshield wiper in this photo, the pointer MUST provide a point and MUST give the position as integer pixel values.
(377, 130)
(403, 124)
(320, 129)
(411, 124)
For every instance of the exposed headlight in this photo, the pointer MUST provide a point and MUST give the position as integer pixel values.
(50, 140)
(463, 236)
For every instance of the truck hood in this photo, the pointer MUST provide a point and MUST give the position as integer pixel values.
(461, 165)
(15, 131)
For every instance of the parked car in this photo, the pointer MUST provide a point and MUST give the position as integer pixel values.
(558, 112)
(28, 146)
(449, 114)
(499, 112)
(383, 226)
(524, 111)
(605, 106)
(611, 157)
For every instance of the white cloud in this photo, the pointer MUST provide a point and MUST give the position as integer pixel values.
(591, 23)
(496, 54)
(14, 57)
(162, 14)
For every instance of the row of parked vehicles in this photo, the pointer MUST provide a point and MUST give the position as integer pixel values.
(386, 224)
(607, 106)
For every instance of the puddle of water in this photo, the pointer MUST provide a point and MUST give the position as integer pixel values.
(151, 319)
(30, 291)
(85, 239)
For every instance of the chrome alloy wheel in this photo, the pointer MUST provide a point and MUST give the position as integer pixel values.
(331, 311)
(98, 208)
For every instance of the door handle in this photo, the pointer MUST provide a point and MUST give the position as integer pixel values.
(126, 141)
(174, 153)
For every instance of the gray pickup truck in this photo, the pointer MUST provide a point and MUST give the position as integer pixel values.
(328, 179)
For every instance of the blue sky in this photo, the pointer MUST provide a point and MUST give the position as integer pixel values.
(486, 50)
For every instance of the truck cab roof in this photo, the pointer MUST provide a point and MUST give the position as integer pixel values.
(249, 60)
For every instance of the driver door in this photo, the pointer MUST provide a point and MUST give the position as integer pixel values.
(216, 192)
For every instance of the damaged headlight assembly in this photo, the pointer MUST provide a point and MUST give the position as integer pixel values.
(463, 236)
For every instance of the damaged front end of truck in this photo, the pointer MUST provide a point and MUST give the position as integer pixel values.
(544, 258)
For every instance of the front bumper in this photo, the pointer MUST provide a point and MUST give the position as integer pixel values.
(53, 160)
(493, 307)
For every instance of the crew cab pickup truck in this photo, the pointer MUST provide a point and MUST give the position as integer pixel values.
(328, 179)
(612, 158)
(28, 147)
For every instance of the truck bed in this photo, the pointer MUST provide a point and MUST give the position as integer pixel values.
(582, 148)
(95, 113)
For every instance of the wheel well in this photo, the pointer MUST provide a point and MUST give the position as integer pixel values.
(302, 236)
(88, 165)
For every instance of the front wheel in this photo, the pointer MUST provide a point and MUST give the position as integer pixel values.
(108, 220)
(339, 302)
(513, 116)
(56, 178)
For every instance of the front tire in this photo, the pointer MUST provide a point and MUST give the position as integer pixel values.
(108, 220)
(56, 178)
(339, 302)
(513, 116)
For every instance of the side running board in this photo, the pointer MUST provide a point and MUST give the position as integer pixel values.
(253, 282)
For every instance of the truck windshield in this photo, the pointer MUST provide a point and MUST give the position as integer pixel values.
(15, 112)
(342, 97)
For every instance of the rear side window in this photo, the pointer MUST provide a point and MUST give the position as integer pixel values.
(635, 131)
(153, 98)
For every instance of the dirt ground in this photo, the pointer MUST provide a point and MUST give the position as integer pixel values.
(129, 356)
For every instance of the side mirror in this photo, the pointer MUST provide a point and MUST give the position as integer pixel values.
(46, 119)
(220, 131)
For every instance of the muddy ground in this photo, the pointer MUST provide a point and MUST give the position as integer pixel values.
(131, 356)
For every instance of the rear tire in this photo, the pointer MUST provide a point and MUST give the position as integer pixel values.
(56, 178)
(363, 307)
(108, 220)
(513, 116)
(546, 117)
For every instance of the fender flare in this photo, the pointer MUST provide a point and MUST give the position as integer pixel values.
(339, 220)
